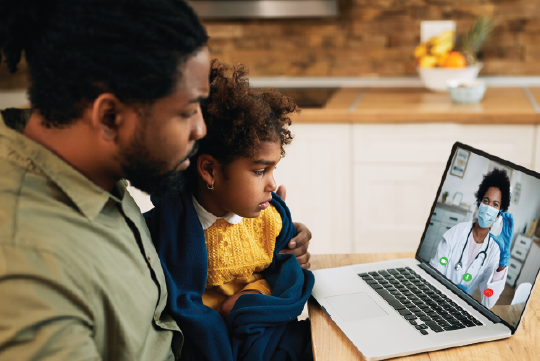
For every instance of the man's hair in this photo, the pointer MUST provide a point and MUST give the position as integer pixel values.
(79, 49)
(499, 179)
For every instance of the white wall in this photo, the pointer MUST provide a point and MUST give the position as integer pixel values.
(528, 207)
(468, 185)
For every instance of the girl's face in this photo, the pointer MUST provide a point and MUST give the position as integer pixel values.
(246, 185)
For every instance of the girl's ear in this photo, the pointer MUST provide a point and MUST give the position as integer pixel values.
(207, 167)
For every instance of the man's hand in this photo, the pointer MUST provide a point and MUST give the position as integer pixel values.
(300, 243)
(226, 307)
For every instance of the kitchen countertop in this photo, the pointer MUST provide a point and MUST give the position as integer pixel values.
(501, 105)
(401, 100)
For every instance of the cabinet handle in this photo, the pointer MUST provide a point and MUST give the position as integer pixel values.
(448, 227)
(518, 252)
(522, 242)
(513, 266)
(453, 218)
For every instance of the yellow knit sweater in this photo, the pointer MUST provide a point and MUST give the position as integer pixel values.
(238, 253)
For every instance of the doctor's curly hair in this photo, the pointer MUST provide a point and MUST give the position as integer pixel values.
(240, 118)
(497, 178)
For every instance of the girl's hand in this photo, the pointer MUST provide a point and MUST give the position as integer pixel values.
(226, 307)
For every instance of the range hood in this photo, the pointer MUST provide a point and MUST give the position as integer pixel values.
(264, 9)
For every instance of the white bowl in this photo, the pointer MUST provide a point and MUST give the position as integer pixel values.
(466, 91)
(435, 78)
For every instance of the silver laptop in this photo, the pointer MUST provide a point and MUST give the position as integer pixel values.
(453, 293)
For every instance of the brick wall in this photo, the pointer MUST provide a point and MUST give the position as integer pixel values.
(368, 38)
(377, 37)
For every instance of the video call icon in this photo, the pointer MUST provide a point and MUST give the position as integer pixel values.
(443, 261)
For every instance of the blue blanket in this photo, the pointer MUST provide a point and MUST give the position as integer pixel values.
(259, 327)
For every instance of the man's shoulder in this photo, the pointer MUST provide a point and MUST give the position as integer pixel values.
(11, 183)
(32, 208)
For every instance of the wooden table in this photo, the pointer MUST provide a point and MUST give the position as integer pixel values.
(329, 343)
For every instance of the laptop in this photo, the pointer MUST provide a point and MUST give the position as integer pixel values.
(407, 306)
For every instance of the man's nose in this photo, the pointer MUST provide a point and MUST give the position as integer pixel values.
(198, 130)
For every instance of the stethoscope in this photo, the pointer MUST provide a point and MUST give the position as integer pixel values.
(459, 264)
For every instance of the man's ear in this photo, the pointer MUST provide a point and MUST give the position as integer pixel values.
(107, 115)
(207, 167)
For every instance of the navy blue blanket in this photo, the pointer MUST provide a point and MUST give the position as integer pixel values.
(259, 327)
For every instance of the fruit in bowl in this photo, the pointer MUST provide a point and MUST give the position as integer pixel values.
(437, 52)
(438, 60)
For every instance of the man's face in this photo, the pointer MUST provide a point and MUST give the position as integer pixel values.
(166, 137)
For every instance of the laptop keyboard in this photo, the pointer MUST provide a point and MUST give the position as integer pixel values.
(420, 303)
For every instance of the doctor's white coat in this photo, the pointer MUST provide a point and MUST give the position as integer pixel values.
(451, 246)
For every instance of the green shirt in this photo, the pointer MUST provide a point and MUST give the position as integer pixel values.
(79, 276)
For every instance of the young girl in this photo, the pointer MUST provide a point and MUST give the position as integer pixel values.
(230, 291)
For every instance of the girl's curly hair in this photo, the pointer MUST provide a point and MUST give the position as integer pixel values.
(239, 118)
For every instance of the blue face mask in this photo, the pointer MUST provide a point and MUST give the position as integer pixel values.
(487, 215)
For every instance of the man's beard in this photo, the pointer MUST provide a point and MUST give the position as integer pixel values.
(147, 175)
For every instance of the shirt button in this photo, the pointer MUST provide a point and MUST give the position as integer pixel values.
(155, 318)
(149, 260)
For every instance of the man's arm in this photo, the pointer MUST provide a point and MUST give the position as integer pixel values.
(40, 318)
(299, 244)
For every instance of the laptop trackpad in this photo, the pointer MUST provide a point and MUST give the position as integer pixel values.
(355, 307)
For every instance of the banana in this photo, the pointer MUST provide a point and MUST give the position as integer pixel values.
(428, 61)
(442, 47)
(420, 51)
(442, 37)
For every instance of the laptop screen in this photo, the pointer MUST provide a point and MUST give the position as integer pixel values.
(483, 233)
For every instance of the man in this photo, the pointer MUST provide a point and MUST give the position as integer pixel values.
(115, 93)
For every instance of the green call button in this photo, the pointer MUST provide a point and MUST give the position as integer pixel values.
(467, 277)
(443, 261)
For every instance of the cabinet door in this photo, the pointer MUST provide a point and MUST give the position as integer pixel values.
(317, 173)
(392, 203)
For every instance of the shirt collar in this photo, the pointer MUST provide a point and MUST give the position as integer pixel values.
(207, 219)
(87, 196)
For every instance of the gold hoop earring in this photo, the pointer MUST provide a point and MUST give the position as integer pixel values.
(210, 187)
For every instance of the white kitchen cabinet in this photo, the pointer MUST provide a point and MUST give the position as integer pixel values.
(317, 174)
(392, 202)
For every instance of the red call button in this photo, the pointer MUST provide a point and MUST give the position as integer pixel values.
(488, 292)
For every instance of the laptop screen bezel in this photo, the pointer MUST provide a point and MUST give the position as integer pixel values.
(519, 168)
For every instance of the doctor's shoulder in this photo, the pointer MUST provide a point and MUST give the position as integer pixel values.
(455, 234)
(459, 228)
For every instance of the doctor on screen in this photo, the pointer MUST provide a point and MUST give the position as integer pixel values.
(473, 255)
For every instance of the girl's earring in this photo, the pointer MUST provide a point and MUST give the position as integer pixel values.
(210, 187)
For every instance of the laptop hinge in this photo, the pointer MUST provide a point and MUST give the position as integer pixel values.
(458, 291)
